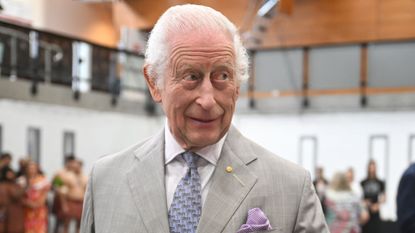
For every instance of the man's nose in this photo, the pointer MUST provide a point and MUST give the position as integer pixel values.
(206, 97)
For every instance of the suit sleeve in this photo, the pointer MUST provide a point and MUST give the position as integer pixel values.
(87, 220)
(310, 217)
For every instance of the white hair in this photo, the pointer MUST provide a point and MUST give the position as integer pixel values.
(189, 17)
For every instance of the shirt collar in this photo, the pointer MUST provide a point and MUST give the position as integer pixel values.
(210, 153)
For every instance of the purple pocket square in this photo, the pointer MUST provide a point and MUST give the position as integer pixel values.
(257, 221)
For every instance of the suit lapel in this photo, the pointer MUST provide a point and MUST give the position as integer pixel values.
(146, 182)
(228, 189)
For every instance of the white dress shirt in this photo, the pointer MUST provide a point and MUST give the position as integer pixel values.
(176, 167)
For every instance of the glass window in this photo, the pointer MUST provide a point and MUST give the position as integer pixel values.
(81, 66)
(278, 70)
(68, 143)
(132, 75)
(308, 153)
(391, 64)
(335, 67)
(33, 144)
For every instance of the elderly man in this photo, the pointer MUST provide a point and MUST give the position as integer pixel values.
(199, 174)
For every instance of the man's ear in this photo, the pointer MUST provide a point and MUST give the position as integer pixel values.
(238, 89)
(152, 85)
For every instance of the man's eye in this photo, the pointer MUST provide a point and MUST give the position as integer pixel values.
(222, 76)
(191, 77)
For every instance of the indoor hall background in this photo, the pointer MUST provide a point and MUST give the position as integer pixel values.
(331, 85)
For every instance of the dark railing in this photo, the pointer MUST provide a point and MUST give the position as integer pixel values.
(54, 61)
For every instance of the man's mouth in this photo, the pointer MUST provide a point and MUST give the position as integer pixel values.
(203, 121)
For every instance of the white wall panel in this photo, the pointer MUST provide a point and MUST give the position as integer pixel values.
(97, 133)
(308, 153)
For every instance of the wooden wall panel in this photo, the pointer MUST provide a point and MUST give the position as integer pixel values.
(308, 22)
(322, 22)
(397, 19)
(91, 22)
(150, 10)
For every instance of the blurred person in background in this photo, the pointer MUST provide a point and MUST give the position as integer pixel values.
(115, 71)
(320, 184)
(36, 189)
(3, 207)
(406, 201)
(76, 195)
(69, 185)
(5, 168)
(22, 167)
(344, 209)
(355, 186)
(374, 195)
(60, 188)
(11, 206)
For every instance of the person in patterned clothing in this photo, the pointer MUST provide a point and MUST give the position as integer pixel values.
(35, 210)
(344, 210)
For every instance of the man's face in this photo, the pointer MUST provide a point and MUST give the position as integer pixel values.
(71, 164)
(200, 88)
(77, 167)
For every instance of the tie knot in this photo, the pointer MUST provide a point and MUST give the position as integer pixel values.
(191, 159)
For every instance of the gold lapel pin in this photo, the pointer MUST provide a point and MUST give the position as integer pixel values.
(229, 169)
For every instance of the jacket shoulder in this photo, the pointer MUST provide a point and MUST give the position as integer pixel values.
(265, 158)
(119, 162)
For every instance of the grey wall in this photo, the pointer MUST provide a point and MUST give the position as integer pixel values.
(278, 71)
(336, 67)
(391, 64)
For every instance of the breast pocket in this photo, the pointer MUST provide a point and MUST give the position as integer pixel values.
(276, 230)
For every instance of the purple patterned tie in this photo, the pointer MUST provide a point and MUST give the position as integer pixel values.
(257, 221)
(186, 207)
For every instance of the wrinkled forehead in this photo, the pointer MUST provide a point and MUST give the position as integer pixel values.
(204, 42)
(199, 36)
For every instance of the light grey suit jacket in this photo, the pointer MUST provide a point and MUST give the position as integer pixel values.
(126, 191)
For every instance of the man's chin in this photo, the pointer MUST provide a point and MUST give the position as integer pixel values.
(201, 142)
